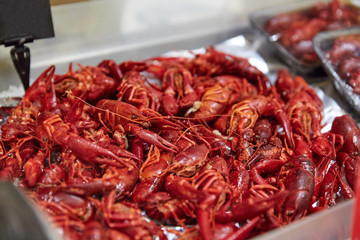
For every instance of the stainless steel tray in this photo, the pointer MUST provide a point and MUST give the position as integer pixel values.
(324, 42)
(338, 219)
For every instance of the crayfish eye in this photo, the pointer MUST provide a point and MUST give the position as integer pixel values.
(55, 158)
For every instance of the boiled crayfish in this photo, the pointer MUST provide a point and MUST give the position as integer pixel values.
(123, 151)
(345, 59)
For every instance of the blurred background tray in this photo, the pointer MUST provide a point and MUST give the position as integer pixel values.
(311, 68)
(323, 42)
(259, 18)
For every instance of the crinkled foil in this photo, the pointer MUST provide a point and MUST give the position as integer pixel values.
(5, 104)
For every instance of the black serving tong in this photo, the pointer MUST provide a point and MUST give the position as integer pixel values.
(23, 21)
(19, 218)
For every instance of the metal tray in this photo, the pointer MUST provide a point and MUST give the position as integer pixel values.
(324, 42)
(334, 223)
(330, 224)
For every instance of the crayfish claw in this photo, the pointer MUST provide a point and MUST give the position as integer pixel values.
(150, 137)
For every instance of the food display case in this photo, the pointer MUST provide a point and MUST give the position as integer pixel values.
(88, 32)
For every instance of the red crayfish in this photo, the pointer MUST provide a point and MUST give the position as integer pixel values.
(205, 144)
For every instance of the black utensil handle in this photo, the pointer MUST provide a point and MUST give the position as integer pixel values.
(20, 56)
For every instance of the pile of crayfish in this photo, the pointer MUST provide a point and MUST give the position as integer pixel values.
(207, 144)
(344, 56)
(296, 30)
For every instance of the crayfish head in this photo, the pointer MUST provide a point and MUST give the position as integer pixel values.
(186, 163)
